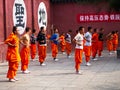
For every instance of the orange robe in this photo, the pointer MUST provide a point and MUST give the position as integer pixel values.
(33, 50)
(13, 56)
(54, 50)
(42, 53)
(63, 43)
(94, 44)
(78, 58)
(115, 42)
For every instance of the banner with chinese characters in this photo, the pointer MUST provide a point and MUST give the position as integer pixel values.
(98, 17)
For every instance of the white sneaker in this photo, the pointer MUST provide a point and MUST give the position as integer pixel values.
(115, 51)
(95, 59)
(26, 72)
(97, 56)
(43, 64)
(88, 64)
(16, 79)
(12, 80)
(63, 53)
(100, 56)
(69, 56)
(78, 72)
(32, 60)
(56, 59)
(110, 53)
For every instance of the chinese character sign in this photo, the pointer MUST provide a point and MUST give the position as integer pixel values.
(19, 15)
(42, 15)
(98, 17)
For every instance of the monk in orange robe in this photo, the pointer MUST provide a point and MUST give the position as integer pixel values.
(25, 51)
(94, 44)
(110, 43)
(33, 44)
(78, 39)
(62, 43)
(68, 43)
(13, 56)
(115, 41)
(100, 42)
(42, 45)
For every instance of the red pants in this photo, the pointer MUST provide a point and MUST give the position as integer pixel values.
(68, 48)
(78, 58)
(42, 53)
(100, 48)
(94, 49)
(33, 50)
(87, 50)
(115, 46)
(54, 50)
(63, 48)
(25, 52)
(109, 45)
(13, 67)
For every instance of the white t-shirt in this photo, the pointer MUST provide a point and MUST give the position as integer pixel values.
(79, 39)
(88, 37)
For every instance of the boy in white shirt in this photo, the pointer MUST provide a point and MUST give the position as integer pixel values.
(78, 39)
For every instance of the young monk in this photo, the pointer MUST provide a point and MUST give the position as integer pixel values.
(100, 42)
(42, 45)
(88, 45)
(33, 45)
(68, 43)
(110, 43)
(25, 51)
(94, 44)
(54, 44)
(62, 43)
(115, 41)
(13, 56)
(78, 39)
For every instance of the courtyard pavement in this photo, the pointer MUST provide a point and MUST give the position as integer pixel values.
(103, 74)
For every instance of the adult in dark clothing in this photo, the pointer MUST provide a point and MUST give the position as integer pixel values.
(41, 38)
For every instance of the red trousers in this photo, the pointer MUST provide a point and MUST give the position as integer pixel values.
(33, 50)
(54, 50)
(100, 48)
(78, 58)
(87, 50)
(42, 53)
(13, 67)
(109, 45)
(94, 49)
(25, 56)
(68, 48)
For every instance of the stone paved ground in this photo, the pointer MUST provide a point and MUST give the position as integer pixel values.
(104, 74)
